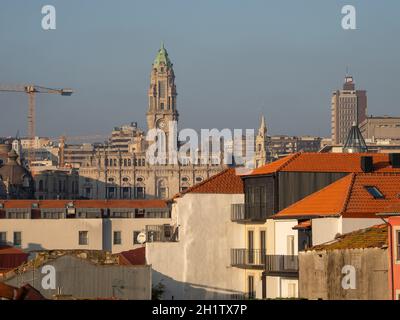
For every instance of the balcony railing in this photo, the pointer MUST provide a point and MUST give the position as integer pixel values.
(248, 212)
(248, 259)
(282, 265)
(162, 233)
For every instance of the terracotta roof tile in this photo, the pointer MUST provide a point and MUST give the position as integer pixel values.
(274, 166)
(326, 162)
(133, 257)
(349, 197)
(225, 182)
(372, 237)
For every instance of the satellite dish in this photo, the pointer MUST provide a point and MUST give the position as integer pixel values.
(141, 238)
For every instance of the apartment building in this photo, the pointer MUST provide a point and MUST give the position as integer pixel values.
(271, 189)
(348, 107)
(381, 129)
(199, 265)
(113, 226)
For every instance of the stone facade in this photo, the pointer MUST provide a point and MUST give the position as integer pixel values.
(15, 181)
(120, 170)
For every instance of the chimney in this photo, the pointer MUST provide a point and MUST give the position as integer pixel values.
(367, 164)
(394, 160)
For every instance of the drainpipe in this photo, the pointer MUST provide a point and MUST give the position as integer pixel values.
(391, 256)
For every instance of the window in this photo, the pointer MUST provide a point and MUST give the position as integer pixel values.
(263, 245)
(250, 246)
(41, 185)
(140, 193)
(250, 287)
(3, 238)
(18, 214)
(111, 192)
(83, 238)
(126, 193)
(162, 89)
(17, 238)
(375, 192)
(117, 237)
(290, 245)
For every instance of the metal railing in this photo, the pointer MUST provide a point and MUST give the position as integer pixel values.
(162, 233)
(282, 264)
(249, 211)
(245, 258)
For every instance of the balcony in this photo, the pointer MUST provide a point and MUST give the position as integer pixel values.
(248, 212)
(280, 265)
(162, 233)
(248, 259)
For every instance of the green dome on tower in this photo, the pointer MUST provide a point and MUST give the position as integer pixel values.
(162, 57)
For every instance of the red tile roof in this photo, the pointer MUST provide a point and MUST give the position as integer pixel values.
(225, 182)
(372, 237)
(11, 258)
(303, 225)
(326, 162)
(349, 198)
(133, 257)
(86, 203)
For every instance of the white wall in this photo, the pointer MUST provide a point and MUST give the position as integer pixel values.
(284, 228)
(278, 287)
(198, 266)
(325, 229)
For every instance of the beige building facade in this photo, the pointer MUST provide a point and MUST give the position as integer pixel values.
(381, 129)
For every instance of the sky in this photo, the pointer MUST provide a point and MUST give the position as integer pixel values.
(233, 60)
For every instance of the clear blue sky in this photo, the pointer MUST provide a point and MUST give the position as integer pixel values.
(233, 60)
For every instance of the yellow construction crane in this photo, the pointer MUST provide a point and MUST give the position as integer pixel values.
(31, 91)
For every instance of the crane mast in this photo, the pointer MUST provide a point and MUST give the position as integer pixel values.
(31, 91)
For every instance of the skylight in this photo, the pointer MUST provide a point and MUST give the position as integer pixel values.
(375, 192)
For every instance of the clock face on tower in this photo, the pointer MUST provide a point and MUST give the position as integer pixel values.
(161, 124)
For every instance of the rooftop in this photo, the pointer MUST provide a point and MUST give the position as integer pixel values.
(357, 195)
(325, 162)
(372, 237)
(225, 182)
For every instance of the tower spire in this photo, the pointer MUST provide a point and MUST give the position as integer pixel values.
(263, 127)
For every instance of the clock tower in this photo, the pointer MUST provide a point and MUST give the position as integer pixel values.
(162, 93)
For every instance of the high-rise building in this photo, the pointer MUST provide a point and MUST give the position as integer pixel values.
(348, 106)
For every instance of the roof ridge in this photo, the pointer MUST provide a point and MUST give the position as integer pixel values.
(286, 163)
(350, 188)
